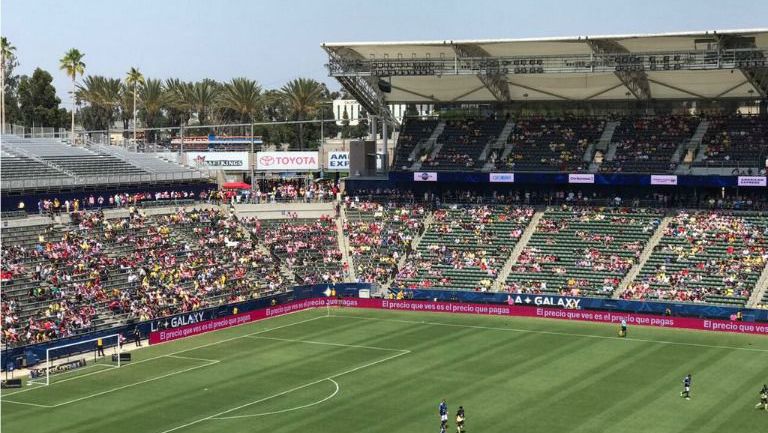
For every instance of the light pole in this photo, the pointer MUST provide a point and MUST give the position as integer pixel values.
(135, 143)
(252, 159)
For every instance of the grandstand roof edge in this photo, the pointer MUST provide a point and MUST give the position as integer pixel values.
(542, 39)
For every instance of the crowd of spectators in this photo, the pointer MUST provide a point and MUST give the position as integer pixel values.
(551, 144)
(465, 247)
(462, 143)
(647, 144)
(736, 141)
(380, 234)
(705, 256)
(582, 251)
(56, 206)
(138, 267)
(309, 248)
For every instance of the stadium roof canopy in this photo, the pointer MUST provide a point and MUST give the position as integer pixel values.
(691, 65)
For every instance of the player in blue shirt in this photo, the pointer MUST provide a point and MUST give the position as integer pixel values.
(686, 387)
(443, 409)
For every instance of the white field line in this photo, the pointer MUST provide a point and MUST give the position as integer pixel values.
(27, 404)
(351, 370)
(336, 391)
(173, 373)
(567, 334)
(173, 354)
(211, 362)
(328, 344)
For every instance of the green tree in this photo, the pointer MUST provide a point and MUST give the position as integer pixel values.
(176, 102)
(153, 97)
(242, 97)
(9, 107)
(133, 79)
(345, 123)
(104, 95)
(39, 105)
(302, 97)
(72, 64)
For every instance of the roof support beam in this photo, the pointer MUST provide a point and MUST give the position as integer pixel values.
(635, 81)
(494, 81)
(730, 89)
(465, 94)
(595, 95)
(364, 89)
(756, 76)
(420, 95)
(533, 89)
(679, 89)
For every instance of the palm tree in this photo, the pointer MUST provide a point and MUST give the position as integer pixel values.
(153, 97)
(102, 93)
(176, 100)
(302, 96)
(242, 96)
(6, 53)
(133, 79)
(202, 96)
(72, 64)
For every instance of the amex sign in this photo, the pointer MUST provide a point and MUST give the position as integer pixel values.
(287, 161)
(232, 161)
(338, 160)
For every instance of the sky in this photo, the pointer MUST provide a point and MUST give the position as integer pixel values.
(275, 41)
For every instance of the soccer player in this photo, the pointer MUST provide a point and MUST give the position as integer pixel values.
(763, 398)
(443, 409)
(460, 420)
(686, 387)
(623, 329)
(99, 347)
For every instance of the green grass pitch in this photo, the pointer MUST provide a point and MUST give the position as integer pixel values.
(379, 371)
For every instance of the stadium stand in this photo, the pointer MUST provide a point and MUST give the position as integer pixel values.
(582, 251)
(465, 247)
(414, 132)
(713, 257)
(308, 248)
(40, 162)
(461, 144)
(551, 144)
(97, 271)
(647, 144)
(735, 142)
(380, 235)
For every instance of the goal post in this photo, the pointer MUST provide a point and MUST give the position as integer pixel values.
(73, 357)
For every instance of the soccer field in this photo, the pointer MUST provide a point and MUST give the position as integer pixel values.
(382, 371)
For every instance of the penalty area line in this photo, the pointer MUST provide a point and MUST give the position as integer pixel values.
(219, 414)
(335, 391)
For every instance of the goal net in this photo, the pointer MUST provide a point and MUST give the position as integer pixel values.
(77, 359)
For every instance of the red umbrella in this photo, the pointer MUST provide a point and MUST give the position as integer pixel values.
(236, 185)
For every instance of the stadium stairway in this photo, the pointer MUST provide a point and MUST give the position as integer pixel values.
(517, 250)
(344, 245)
(430, 218)
(761, 290)
(647, 251)
(693, 147)
(499, 144)
(430, 143)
